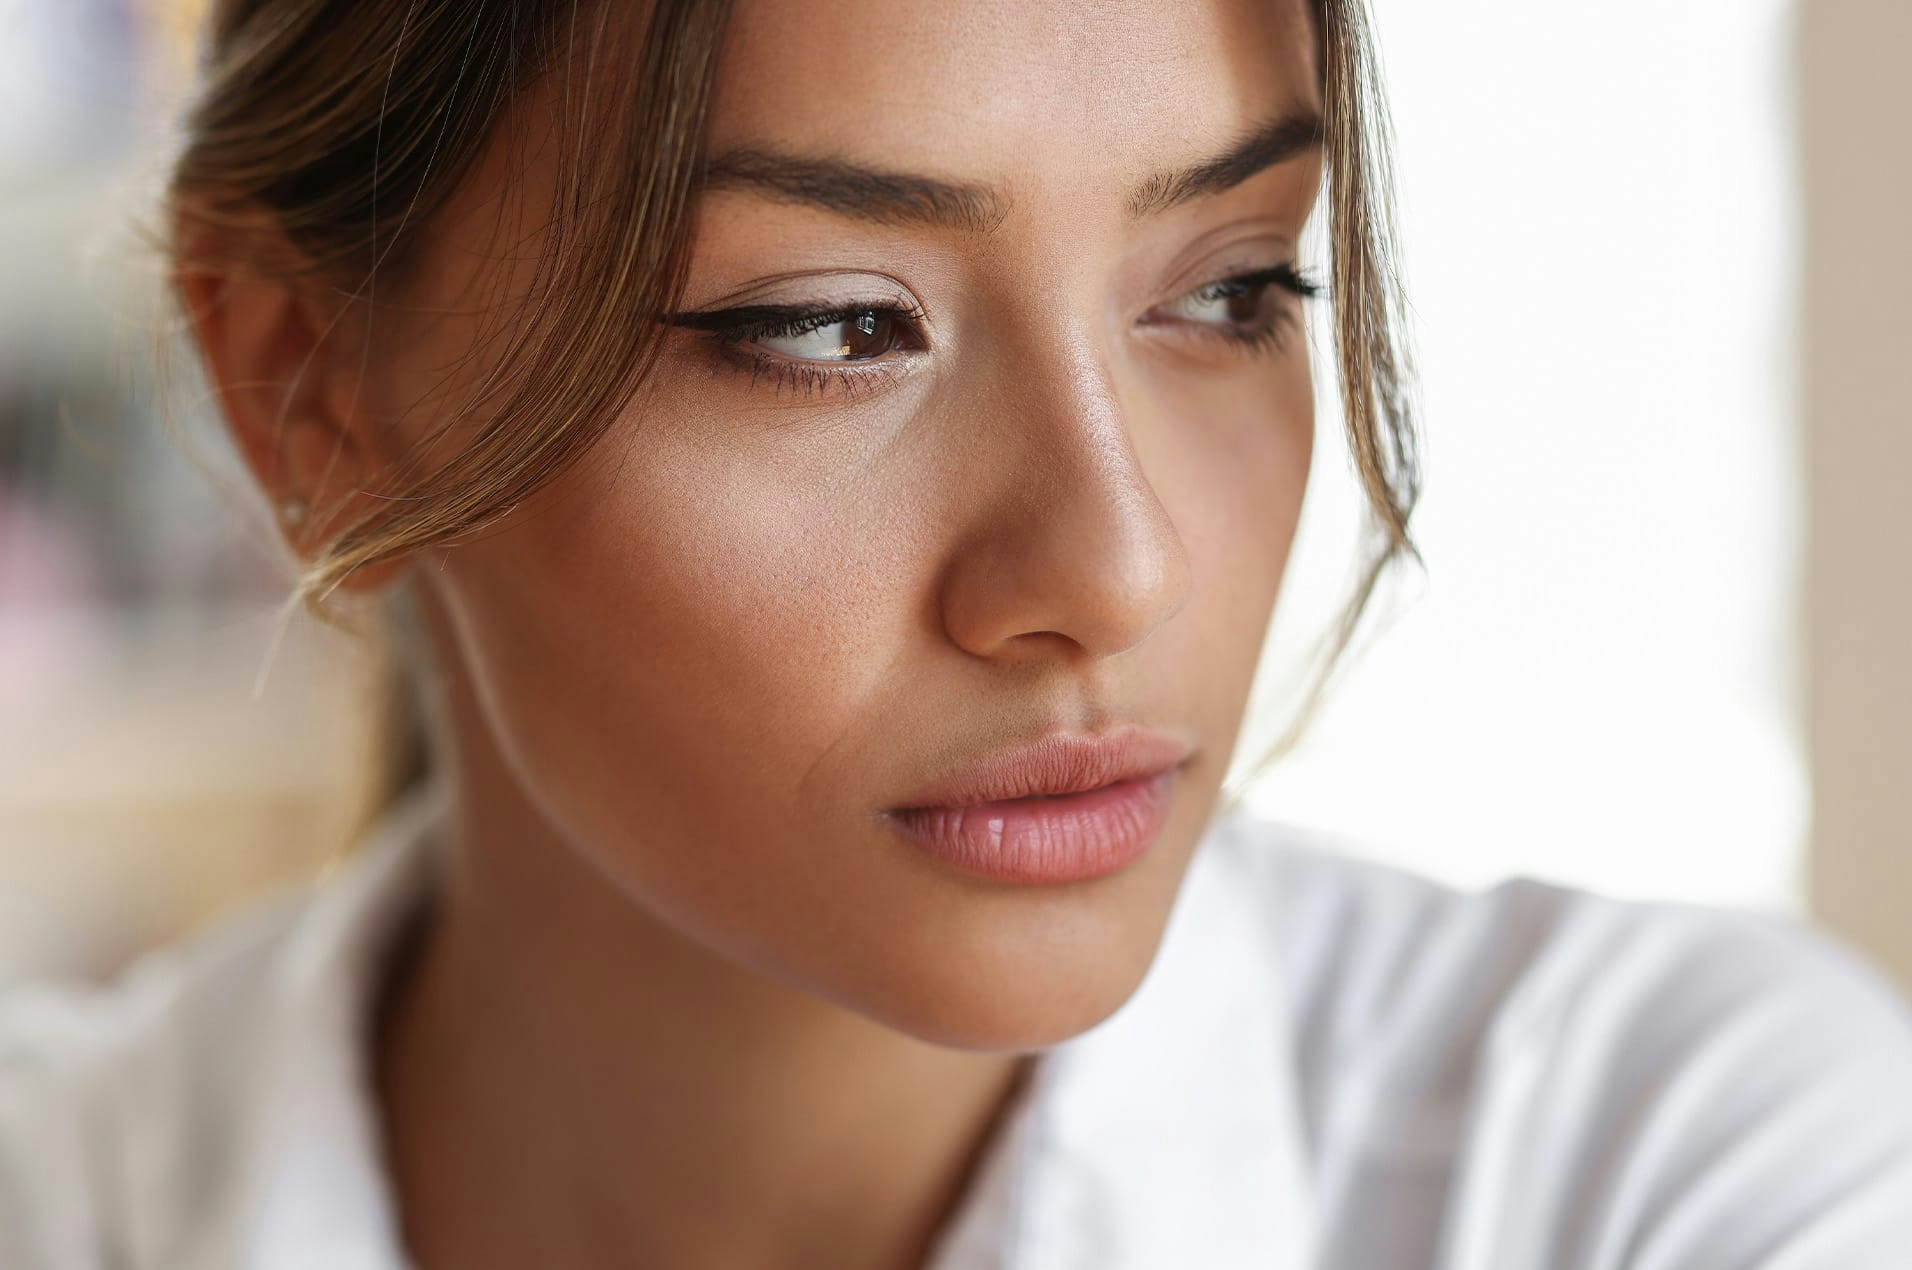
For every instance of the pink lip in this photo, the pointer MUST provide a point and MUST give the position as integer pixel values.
(1066, 809)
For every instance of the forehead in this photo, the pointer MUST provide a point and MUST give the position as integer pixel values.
(979, 88)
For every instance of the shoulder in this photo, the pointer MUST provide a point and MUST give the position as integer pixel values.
(147, 1121)
(115, 1097)
(1559, 1075)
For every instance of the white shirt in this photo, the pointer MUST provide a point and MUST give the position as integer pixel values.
(1331, 1064)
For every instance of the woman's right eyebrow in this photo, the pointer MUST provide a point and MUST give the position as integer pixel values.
(850, 189)
(899, 198)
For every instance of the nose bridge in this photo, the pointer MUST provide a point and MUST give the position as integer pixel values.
(1071, 539)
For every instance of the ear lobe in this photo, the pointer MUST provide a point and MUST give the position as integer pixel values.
(278, 368)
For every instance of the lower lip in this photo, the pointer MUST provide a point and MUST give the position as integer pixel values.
(1036, 841)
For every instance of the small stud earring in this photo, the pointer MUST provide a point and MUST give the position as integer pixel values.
(292, 511)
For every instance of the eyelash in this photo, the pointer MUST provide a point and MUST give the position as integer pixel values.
(1258, 337)
(730, 332)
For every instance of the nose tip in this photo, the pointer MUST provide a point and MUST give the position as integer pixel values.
(1078, 551)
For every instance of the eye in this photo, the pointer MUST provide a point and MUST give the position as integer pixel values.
(855, 333)
(812, 350)
(1224, 302)
(1250, 308)
(834, 337)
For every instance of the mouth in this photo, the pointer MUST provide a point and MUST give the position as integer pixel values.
(1067, 809)
(1057, 766)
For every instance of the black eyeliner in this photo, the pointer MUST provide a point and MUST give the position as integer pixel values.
(758, 315)
(1287, 277)
(768, 317)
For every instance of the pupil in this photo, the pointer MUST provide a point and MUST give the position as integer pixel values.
(864, 339)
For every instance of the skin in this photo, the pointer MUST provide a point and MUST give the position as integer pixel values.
(683, 1000)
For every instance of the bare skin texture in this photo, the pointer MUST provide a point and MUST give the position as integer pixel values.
(685, 1001)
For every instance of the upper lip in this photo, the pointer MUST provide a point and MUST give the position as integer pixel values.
(1058, 763)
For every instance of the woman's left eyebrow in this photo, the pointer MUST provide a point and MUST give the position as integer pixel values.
(1270, 145)
(900, 198)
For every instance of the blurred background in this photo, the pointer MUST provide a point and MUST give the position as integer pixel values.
(1656, 257)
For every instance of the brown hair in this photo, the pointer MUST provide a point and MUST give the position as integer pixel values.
(351, 124)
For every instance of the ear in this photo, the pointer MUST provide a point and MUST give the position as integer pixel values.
(283, 367)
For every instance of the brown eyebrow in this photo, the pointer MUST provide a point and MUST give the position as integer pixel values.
(849, 189)
(1270, 145)
(897, 198)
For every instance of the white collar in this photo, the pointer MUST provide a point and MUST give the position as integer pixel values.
(321, 1195)
(1165, 1135)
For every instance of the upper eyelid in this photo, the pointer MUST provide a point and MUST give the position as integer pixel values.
(1282, 277)
(742, 321)
(1288, 275)
(749, 314)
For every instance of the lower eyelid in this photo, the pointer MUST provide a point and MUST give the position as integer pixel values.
(806, 377)
(1271, 335)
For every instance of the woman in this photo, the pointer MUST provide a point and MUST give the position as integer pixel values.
(840, 459)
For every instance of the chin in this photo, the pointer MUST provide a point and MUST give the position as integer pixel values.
(996, 969)
(1015, 995)
(1008, 1022)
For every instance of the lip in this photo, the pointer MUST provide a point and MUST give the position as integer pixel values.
(1068, 808)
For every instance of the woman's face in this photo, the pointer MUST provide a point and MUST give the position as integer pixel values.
(1044, 477)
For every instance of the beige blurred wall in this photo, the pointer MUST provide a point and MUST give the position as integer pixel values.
(1856, 133)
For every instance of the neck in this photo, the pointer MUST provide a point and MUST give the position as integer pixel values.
(566, 1080)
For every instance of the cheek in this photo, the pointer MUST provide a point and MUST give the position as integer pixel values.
(668, 605)
(1237, 461)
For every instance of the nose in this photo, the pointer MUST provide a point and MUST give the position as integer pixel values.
(1068, 546)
